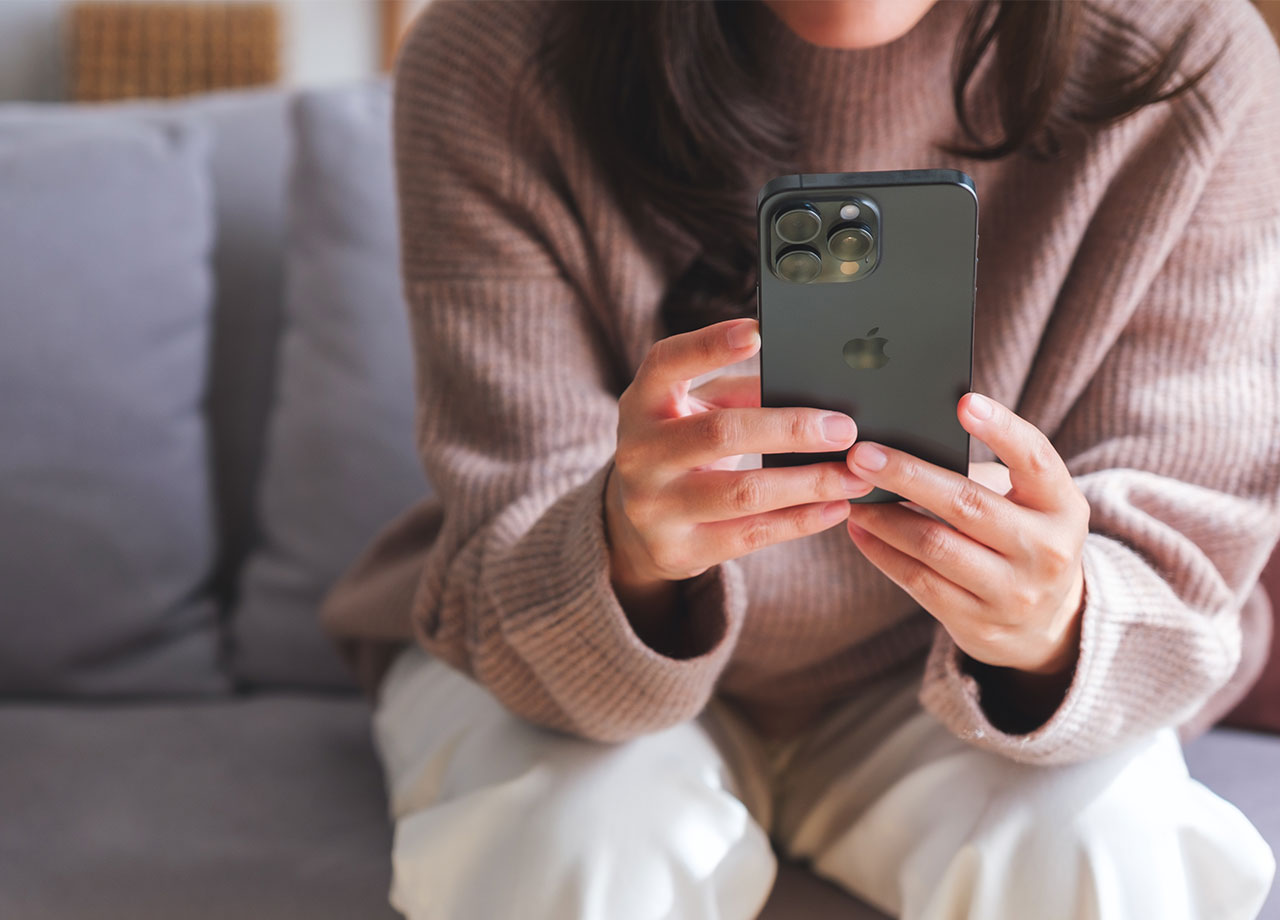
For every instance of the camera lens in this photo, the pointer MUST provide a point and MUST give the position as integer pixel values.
(851, 243)
(798, 265)
(798, 225)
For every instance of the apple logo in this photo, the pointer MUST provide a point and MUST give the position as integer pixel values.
(866, 354)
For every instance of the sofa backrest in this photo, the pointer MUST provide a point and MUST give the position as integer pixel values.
(101, 645)
(340, 460)
(277, 550)
(249, 162)
(107, 534)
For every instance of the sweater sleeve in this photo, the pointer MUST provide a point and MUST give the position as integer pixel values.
(519, 366)
(1175, 442)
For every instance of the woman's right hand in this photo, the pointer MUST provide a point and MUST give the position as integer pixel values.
(675, 503)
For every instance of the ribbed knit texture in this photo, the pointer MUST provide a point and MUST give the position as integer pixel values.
(1128, 305)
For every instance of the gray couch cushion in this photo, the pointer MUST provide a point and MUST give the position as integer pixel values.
(340, 456)
(251, 149)
(106, 530)
(271, 807)
(251, 142)
(263, 808)
(1244, 768)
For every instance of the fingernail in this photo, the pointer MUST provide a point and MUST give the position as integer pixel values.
(834, 511)
(870, 457)
(743, 335)
(838, 428)
(853, 485)
(980, 406)
(854, 529)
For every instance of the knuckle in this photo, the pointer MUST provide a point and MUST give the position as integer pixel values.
(1042, 457)
(757, 534)
(1024, 544)
(626, 460)
(717, 429)
(632, 410)
(807, 519)
(870, 517)
(656, 357)
(1057, 556)
(1025, 598)
(640, 509)
(710, 345)
(991, 635)
(666, 560)
(747, 494)
(968, 503)
(798, 427)
(907, 472)
(935, 543)
(828, 481)
(918, 581)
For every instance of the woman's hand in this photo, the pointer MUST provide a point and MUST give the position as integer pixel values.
(1001, 572)
(675, 503)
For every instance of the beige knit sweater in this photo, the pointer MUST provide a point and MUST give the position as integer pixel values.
(1128, 305)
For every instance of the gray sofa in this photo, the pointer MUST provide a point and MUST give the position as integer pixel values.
(206, 412)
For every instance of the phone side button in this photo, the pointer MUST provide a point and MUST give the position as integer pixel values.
(757, 302)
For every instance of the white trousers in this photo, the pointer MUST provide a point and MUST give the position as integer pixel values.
(496, 819)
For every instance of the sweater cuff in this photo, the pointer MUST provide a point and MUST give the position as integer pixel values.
(578, 641)
(1092, 716)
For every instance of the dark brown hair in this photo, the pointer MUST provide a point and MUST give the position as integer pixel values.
(666, 97)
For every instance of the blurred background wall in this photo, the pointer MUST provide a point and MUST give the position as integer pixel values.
(322, 42)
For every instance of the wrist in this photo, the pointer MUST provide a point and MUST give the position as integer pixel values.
(621, 541)
(1020, 700)
(1066, 650)
(649, 601)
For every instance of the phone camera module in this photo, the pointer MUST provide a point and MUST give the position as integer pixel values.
(800, 265)
(850, 243)
(798, 225)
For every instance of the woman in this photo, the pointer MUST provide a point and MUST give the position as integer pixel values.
(968, 715)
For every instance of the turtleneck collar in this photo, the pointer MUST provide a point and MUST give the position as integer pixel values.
(839, 94)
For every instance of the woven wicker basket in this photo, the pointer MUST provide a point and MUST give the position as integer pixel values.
(145, 49)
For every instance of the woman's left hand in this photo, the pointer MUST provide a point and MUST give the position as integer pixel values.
(1005, 577)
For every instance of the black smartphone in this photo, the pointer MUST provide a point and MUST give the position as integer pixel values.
(865, 303)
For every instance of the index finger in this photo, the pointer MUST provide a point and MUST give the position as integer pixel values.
(1037, 474)
(966, 505)
(680, 358)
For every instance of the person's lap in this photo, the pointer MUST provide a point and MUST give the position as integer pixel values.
(498, 818)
